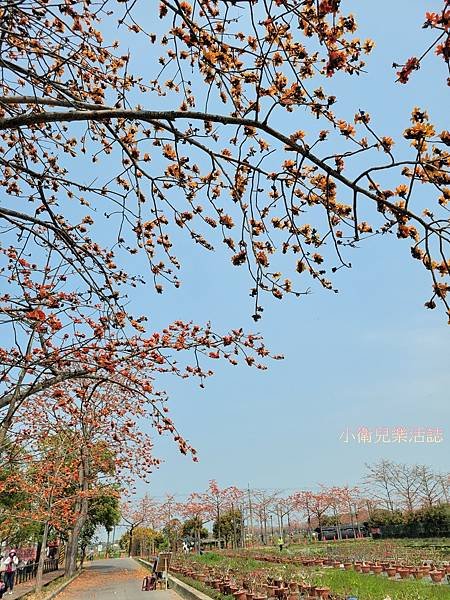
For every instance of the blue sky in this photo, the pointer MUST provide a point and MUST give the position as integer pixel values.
(369, 356)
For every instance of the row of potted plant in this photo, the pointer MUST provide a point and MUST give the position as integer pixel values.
(391, 568)
(369, 551)
(254, 586)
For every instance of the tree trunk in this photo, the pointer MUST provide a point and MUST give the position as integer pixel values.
(83, 556)
(40, 569)
(72, 544)
(289, 526)
(352, 520)
(265, 526)
(130, 541)
(39, 544)
(337, 522)
(218, 523)
(83, 506)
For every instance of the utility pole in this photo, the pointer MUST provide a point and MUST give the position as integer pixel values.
(251, 511)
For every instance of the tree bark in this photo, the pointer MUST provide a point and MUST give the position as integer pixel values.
(41, 561)
(74, 536)
(130, 541)
(83, 555)
(83, 506)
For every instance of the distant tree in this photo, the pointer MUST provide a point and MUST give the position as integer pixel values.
(173, 532)
(406, 487)
(193, 528)
(407, 483)
(379, 479)
(138, 514)
(315, 505)
(444, 483)
(429, 521)
(330, 520)
(104, 511)
(228, 527)
(263, 505)
(382, 517)
(433, 520)
(144, 541)
(197, 510)
(430, 490)
(217, 499)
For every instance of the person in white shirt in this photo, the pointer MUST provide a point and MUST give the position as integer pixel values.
(9, 570)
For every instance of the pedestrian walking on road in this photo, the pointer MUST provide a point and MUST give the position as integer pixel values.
(9, 567)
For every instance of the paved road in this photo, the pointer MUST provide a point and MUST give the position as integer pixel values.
(113, 579)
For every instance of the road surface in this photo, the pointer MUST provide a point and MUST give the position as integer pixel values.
(113, 579)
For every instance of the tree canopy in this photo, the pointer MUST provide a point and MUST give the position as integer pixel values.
(227, 133)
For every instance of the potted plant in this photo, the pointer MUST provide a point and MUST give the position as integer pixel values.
(305, 588)
(377, 569)
(403, 572)
(391, 571)
(323, 592)
(436, 575)
(417, 573)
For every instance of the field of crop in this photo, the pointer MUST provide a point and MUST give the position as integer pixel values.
(414, 551)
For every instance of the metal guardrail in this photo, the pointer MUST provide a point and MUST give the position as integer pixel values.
(28, 572)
